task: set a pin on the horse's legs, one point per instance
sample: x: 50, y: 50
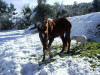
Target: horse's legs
x: 43, y: 54
x: 63, y: 41
x: 50, y: 42
x: 68, y: 40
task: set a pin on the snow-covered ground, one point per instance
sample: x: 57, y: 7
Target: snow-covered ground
x: 21, y: 53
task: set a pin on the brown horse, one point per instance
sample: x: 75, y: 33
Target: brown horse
x: 52, y: 28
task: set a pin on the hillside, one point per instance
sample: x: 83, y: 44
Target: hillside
x: 86, y: 25
x: 21, y: 52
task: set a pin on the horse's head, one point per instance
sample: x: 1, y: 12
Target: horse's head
x: 43, y: 33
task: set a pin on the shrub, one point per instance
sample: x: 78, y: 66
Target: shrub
x: 5, y: 23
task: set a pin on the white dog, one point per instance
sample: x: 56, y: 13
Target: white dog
x: 80, y: 39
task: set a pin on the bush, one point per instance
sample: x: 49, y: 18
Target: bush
x: 20, y: 23
x: 5, y: 23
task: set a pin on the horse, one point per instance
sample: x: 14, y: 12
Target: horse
x: 52, y: 28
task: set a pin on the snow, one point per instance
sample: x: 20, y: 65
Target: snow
x: 29, y: 29
x: 21, y: 56
x: 21, y: 53
x: 32, y: 16
x: 85, y: 25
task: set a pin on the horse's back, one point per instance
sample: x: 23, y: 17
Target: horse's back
x: 61, y: 25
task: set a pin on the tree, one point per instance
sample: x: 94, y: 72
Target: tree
x: 62, y: 11
x: 85, y: 8
x: 6, y: 12
x: 26, y: 10
x: 24, y: 21
x: 41, y: 2
x: 56, y: 6
x: 27, y: 13
x: 75, y: 9
x: 3, y: 7
x: 43, y: 11
x: 96, y: 5
x: 11, y: 9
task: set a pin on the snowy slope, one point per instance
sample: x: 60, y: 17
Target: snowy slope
x: 20, y: 53
x: 85, y: 24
